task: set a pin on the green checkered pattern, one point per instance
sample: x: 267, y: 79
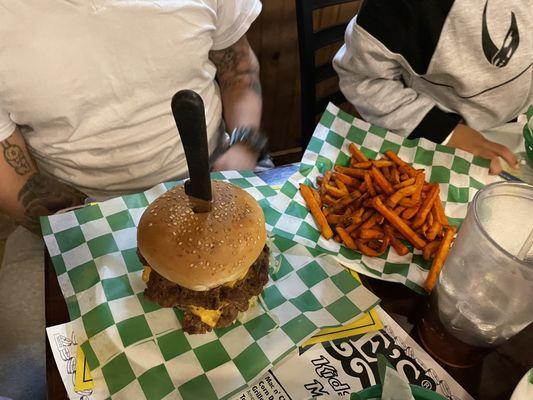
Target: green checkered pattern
x: 137, y: 350
x: 459, y: 173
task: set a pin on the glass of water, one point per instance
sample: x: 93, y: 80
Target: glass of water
x: 485, y: 291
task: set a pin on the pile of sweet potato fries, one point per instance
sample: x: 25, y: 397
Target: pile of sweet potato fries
x: 374, y: 204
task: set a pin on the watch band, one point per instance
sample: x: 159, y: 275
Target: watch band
x: 251, y: 138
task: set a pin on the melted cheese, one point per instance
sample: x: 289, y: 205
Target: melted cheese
x: 209, y: 317
x: 146, y: 274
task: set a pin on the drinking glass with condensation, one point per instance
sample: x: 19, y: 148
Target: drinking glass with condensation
x: 484, y: 294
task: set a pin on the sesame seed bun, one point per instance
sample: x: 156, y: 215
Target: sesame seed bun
x: 200, y: 251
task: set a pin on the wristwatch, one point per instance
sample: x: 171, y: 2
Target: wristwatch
x: 252, y: 138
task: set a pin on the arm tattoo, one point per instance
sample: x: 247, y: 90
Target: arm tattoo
x: 15, y: 157
x: 42, y: 195
x: 237, y: 67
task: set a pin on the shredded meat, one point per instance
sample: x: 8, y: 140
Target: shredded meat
x: 230, y: 300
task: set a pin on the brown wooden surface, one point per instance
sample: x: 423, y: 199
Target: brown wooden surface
x: 55, y: 313
x: 493, y: 379
x: 274, y: 38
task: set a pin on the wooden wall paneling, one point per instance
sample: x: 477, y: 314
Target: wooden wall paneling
x: 274, y: 39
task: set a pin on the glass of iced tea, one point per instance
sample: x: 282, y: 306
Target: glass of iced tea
x: 484, y: 294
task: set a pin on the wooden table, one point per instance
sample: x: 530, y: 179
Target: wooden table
x: 494, y: 378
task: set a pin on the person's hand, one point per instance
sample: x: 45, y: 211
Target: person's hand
x: 237, y: 157
x: 468, y: 139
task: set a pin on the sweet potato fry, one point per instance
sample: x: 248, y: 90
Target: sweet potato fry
x: 426, y: 207
x: 410, y: 212
x: 347, y: 180
x: 353, y: 172
x: 371, y: 234
x: 340, y: 184
x: 334, y: 219
x: 374, y: 244
x: 374, y: 204
x: 384, y: 244
x: 346, y: 238
x: 344, y: 201
x: 368, y: 202
x: 399, y: 224
x: 401, y: 163
x: 362, y: 165
x: 356, y: 153
x: 369, y: 185
x: 325, y: 181
x: 357, y: 204
x: 382, y: 163
x: 398, y: 210
x: 358, y: 213
x: 316, y: 211
x: 407, y: 182
x: 316, y: 195
x: 419, y: 184
x: 381, y: 181
x: 330, y: 201
x: 395, y: 175
x: 430, y: 249
x: 441, y: 217
x: 370, y: 222
x: 440, y: 257
x: 395, y: 198
x: 364, y: 217
x: 347, y: 218
x: 436, y: 226
x: 408, y: 202
x: 386, y: 173
x: 354, y: 219
x: 396, y: 244
x: 334, y: 191
x: 367, y: 251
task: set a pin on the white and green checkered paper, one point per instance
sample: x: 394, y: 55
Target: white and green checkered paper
x: 138, y: 350
x: 459, y: 174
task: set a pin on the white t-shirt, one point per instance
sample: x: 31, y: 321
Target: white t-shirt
x: 90, y: 83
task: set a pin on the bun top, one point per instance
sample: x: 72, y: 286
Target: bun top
x: 200, y: 251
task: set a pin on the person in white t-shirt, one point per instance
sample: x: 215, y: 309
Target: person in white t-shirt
x: 85, y: 90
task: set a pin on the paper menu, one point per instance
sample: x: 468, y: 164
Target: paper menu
x: 66, y: 354
x: 334, y: 372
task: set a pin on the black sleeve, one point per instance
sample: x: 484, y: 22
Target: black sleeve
x: 436, y: 125
x: 410, y: 28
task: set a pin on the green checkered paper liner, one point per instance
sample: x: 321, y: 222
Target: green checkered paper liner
x: 459, y: 173
x: 137, y: 350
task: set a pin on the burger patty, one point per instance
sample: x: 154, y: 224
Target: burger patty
x: 229, y: 300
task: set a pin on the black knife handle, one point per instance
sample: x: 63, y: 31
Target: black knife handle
x: 189, y: 114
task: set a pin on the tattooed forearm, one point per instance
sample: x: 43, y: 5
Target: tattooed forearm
x: 237, y: 66
x: 42, y: 195
x: 16, y: 158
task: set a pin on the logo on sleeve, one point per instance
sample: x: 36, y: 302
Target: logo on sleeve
x: 501, y: 56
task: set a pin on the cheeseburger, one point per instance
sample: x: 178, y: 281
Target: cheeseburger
x: 210, y: 264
